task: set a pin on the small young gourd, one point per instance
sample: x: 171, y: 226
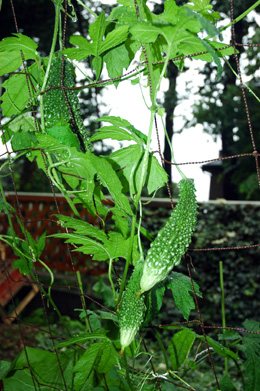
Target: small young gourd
x: 173, y: 239
x: 56, y: 110
x: 132, y: 308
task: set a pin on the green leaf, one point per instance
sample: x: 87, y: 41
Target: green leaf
x: 252, y: 367
x: 46, y: 370
x: 170, y: 12
x: 4, y: 368
x: 87, y: 246
x: 83, y: 44
x: 23, y: 122
x: 98, y: 46
x: 83, y: 338
x: 110, y: 180
x: 214, y: 55
x: 190, y: 44
x: 25, y: 261
x: 127, y: 158
x: 97, y: 65
x: 180, y: 347
x: 122, y: 221
x: 108, y: 315
x: 101, y: 246
x: 116, y: 60
x: 224, y: 52
x: 114, y: 38
x: 120, y: 122
x: 209, y: 27
x: 225, y: 385
x: 251, y: 348
x: 144, y: 32
x: 20, y: 42
x: 219, y: 348
x: 5, y: 206
x: 154, y: 303
x: 113, y: 132
x: 157, y: 176
x: 23, y: 140
x: 113, y: 247
x: 9, y: 62
x: 101, y: 356
x: 108, y: 359
x: 41, y: 244
x: 17, y: 96
x: 181, y: 288
x: 20, y: 380
x: 118, y: 246
x: 64, y: 135
x: 82, y: 227
x: 123, y: 161
x: 96, y: 32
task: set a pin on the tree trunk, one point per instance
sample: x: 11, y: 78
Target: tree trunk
x: 170, y: 103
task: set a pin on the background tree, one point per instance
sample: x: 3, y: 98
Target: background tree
x: 221, y: 111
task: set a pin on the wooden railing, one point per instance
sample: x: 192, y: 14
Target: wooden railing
x: 38, y: 213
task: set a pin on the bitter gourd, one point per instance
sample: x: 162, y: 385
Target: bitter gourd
x: 56, y: 110
x: 173, y: 239
x: 132, y: 308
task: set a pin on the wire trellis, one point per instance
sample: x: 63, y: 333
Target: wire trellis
x: 77, y: 288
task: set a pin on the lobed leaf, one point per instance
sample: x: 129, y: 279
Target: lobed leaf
x: 9, y: 62
x: 20, y: 42
x: 180, y: 347
x: 181, y: 288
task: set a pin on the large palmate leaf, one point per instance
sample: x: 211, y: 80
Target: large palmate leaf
x: 85, y: 166
x: 122, y: 124
x: 17, y: 95
x: 20, y: 43
x: 129, y: 162
x: 93, y: 241
x: 180, y: 347
x: 45, y: 367
x: 251, y: 348
x: 9, y: 62
x: 181, y: 288
x: 98, y: 45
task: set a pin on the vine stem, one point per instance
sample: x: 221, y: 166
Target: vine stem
x: 83, y: 301
x: 110, y: 277
x: 149, y: 137
x: 241, y: 16
x: 129, y: 257
x: 51, y: 275
x: 221, y: 278
x: 54, y: 40
x: 59, y: 185
x: 87, y: 8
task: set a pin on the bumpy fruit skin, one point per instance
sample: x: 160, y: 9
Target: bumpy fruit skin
x: 132, y: 308
x: 56, y: 111
x: 173, y: 239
